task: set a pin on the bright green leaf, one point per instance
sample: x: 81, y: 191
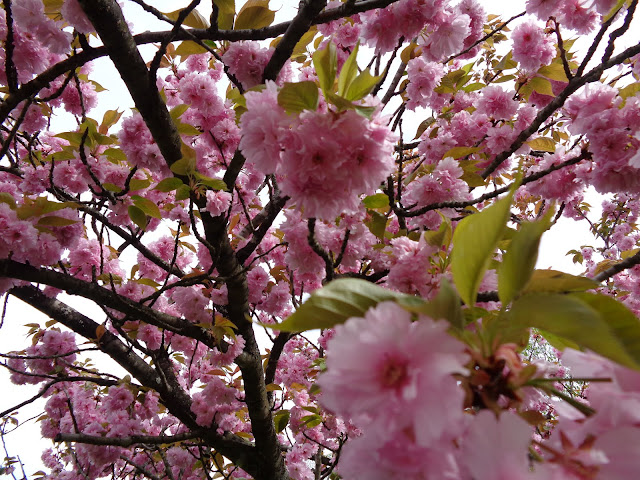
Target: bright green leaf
x: 592, y: 321
x: 296, y: 97
x: 281, y: 420
x: 186, y: 129
x: 348, y: 73
x: 541, y: 85
x: 214, y: 183
x: 115, y: 154
x: 325, y: 62
x: 445, y: 305
x: 542, y: 144
x: 226, y: 12
x: 520, y: 259
x: 139, y: 184
x: 459, y: 152
x: 554, y: 71
x: 553, y: 281
x: 137, y: 216
x: 147, y: 206
x: 379, y: 200
x: 194, y: 19
x: 334, y: 304
x: 442, y: 236
x: 362, y: 86
x: 7, y: 198
x: 474, y: 243
x: 54, y: 221
x: 254, y: 14
x: 168, y: 184
x: 187, y: 48
x: 183, y: 192
x: 177, y: 111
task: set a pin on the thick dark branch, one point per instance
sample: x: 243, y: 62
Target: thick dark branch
x: 268, y: 451
x: 10, y: 67
x: 124, y: 441
x: 573, y: 85
x: 89, y: 329
x: 104, y: 296
x: 111, y: 26
x: 618, y: 267
x: 308, y: 11
x: 619, y: 31
x: 176, y: 400
x: 264, y: 219
x: 317, y: 248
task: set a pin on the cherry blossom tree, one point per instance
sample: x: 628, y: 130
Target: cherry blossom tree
x: 314, y: 242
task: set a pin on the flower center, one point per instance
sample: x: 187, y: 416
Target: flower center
x: 393, y: 372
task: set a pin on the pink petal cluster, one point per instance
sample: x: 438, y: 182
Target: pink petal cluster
x: 532, y: 47
x: 423, y: 77
x: 390, y: 374
x: 311, y: 152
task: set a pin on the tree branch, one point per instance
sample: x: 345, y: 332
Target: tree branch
x: 308, y: 11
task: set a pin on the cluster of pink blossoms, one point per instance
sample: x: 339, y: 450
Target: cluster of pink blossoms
x: 612, y: 128
x: 580, y: 15
x: 393, y: 378
x: 324, y: 159
x: 442, y: 29
x: 532, y: 46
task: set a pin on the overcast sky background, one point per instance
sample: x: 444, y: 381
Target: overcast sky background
x: 26, y: 441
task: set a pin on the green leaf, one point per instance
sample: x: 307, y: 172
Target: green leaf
x: 442, y: 236
x: 186, y: 129
x: 214, y: 183
x: 187, y: 48
x: 554, y: 71
x: 281, y: 420
x: 446, y: 305
x: 54, y: 221
x: 542, y: 144
x: 592, y: 321
x: 177, y: 111
x: 7, y: 198
x: 552, y: 281
x: 362, y: 85
x: 541, y: 85
x: 325, y: 62
x: 226, y: 12
x: 115, y: 154
x: 254, y: 14
x: 474, y: 242
x: 379, y: 200
x: 459, y: 152
x: 109, y: 119
x: 137, y: 216
x: 194, y: 19
x: 349, y: 72
x: 296, y: 97
x: 139, y: 184
x: 111, y: 187
x: 184, y: 166
x: 183, y: 192
x: 378, y: 224
x: 630, y: 90
x: 168, y: 184
x: 334, y: 304
x: 520, y: 259
x: 147, y: 206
